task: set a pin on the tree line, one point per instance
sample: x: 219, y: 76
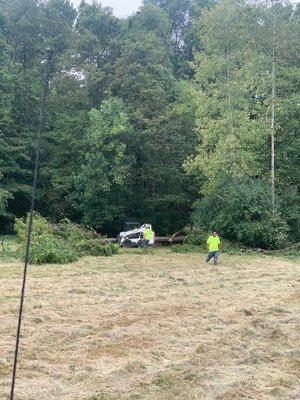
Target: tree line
x: 186, y: 112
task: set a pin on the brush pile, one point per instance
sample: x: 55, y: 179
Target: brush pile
x: 60, y: 243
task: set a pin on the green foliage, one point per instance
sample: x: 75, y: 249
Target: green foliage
x: 72, y: 232
x: 150, y: 114
x: 46, y: 246
x: 94, y: 247
x: 49, y: 249
x: 4, y: 196
x: 240, y: 211
x: 182, y: 14
x: 234, y: 123
x: 59, y: 243
x: 196, y: 236
x: 41, y: 226
x: 26, y: 27
x: 100, y: 183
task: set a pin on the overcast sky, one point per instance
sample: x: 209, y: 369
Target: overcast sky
x: 122, y: 8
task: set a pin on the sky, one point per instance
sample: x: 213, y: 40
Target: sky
x: 122, y: 8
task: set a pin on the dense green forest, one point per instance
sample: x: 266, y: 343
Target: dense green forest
x: 187, y: 111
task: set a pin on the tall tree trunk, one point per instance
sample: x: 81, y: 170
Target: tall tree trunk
x: 273, y: 125
x: 229, y: 100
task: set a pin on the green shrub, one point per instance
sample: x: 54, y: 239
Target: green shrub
x: 241, y: 212
x: 72, y: 232
x: 108, y: 250
x: 94, y: 247
x: 59, y: 243
x: 48, y: 249
x: 40, y: 226
x: 196, y: 236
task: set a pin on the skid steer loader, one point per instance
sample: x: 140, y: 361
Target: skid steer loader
x: 133, y: 235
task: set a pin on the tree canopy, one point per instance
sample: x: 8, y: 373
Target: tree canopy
x: 186, y: 111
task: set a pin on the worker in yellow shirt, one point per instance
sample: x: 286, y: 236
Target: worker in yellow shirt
x: 147, y: 235
x: 213, y: 244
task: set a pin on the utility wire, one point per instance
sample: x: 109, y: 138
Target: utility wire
x: 31, y: 212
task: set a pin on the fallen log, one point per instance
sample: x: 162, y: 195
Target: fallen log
x: 160, y: 240
x: 170, y: 240
x: 177, y: 240
x: 109, y: 240
x: 176, y: 234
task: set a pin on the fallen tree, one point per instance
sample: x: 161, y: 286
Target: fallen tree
x: 170, y: 240
x: 160, y: 240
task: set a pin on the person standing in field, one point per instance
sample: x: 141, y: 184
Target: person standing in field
x: 213, y: 244
x: 147, y: 235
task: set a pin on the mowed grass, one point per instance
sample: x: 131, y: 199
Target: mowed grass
x: 157, y: 326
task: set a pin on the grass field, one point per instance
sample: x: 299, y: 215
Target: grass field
x: 157, y: 326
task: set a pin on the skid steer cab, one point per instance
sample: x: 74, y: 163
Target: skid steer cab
x: 134, y: 236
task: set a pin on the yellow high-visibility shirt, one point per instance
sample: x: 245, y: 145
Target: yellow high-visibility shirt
x: 213, y: 243
x: 147, y: 234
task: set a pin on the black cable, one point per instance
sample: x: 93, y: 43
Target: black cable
x: 31, y: 212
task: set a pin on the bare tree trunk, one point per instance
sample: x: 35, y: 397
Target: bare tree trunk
x: 273, y: 127
x: 229, y: 100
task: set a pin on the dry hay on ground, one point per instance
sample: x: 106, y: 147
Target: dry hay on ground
x: 162, y: 326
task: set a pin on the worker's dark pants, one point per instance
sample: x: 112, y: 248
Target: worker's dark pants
x: 214, y: 255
